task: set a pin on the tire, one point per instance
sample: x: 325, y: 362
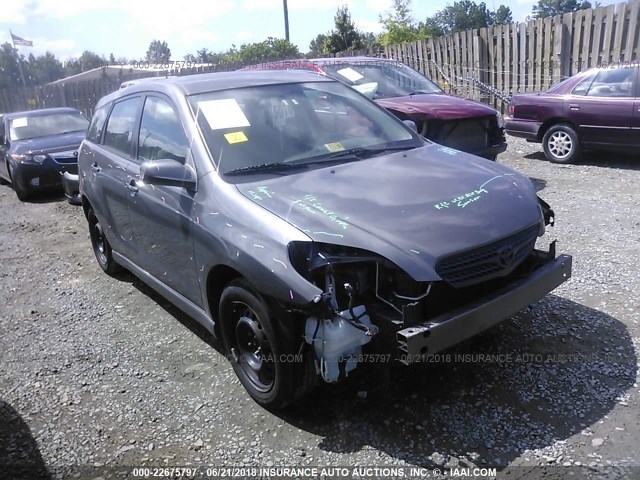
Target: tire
x: 561, y: 144
x: 2, y: 180
x: 21, y: 194
x: 100, y: 245
x: 255, y: 343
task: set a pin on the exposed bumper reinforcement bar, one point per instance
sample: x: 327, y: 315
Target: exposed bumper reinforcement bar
x: 453, y: 327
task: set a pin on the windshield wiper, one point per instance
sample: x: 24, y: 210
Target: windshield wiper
x: 420, y: 92
x: 363, y: 152
x: 265, y: 167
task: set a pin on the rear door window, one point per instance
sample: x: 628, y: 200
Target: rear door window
x: 120, y: 126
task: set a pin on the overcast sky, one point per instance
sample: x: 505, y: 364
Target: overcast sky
x: 126, y: 27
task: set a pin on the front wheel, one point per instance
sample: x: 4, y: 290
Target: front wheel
x: 261, y: 349
x: 101, y: 247
x: 561, y: 144
x: 21, y: 194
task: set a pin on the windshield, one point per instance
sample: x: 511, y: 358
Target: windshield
x: 294, y: 124
x: 22, y: 128
x: 381, y: 78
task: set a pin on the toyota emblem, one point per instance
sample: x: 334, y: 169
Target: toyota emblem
x: 506, y: 256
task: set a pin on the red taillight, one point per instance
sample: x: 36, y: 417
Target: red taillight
x: 512, y: 110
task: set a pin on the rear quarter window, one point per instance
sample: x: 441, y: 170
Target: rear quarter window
x: 583, y: 85
x: 97, y: 124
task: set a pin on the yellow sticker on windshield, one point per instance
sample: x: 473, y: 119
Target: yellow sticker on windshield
x: 334, y: 147
x: 235, y: 137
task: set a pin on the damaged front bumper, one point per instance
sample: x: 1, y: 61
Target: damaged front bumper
x: 455, y: 326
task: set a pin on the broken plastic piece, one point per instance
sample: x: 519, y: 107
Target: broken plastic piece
x: 337, y: 342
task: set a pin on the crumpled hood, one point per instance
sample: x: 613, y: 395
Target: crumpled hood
x: 440, y: 106
x: 410, y: 207
x: 53, y: 143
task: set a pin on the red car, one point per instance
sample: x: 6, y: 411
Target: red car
x: 451, y: 121
x: 598, y: 109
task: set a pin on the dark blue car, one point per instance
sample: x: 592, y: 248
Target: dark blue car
x: 37, y: 147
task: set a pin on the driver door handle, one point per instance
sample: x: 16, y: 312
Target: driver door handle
x: 95, y: 167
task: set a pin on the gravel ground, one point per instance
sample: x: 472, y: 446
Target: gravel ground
x: 100, y: 371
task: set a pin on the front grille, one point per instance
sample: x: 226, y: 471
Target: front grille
x: 469, y: 135
x: 490, y: 261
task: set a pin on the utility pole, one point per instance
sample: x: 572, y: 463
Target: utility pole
x: 286, y: 19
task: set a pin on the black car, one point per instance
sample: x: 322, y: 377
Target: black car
x: 38, y: 146
x: 306, y: 225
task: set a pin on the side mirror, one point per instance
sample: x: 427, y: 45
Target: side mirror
x: 411, y: 124
x: 168, y: 172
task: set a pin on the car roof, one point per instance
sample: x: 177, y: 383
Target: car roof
x: 211, y: 82
x: 42, y: 111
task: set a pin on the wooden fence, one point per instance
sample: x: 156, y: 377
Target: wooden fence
x: 524, y: 57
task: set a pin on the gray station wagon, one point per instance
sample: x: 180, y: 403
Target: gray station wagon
x: 306, y: 225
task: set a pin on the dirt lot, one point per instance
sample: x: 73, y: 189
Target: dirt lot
x: 99, y: 371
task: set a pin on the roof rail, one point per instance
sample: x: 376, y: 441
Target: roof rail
x: 128, y: 83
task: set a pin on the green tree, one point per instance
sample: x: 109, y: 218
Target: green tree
x: 42, y: 69
x: 399, y: 26
x: 203, y: 55
x: 9, y: 71
x: 431, y: 27
x: 268, y: 50
x: 464, y: 15
x: 87, y: 61
x: 503, y: 16
x: 369, y: 40
x: 318, y: 46
x: 343, y: 37
x: 158, y: 52
x: 549, y: 8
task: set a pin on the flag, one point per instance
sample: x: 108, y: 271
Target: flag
x: 21, y: 42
